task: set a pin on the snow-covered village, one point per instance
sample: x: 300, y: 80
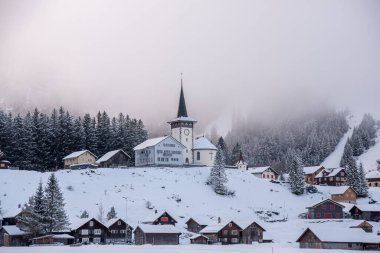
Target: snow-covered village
x: 189, y: 126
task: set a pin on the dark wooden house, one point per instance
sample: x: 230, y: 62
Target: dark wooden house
x: 4, y: 164
x: 199, y: 239
x: 331, y: 177
x: 114, y: 159
x: 227, y: 233
x: 89, y: 231
x: 197, y: 224
x: 251, y: 232
x: 163, y: 219
x: 326, y: 209
x: 366, y: 212
x: 327, y: 236
x: 116, y: 231
x: 11, y: 235
x: 156, y: 235
x: 62, y: 239
x: 311, y: 172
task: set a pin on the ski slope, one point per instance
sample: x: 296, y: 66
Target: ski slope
x: 180, y: 191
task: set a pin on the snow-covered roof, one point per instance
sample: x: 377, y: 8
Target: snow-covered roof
x: 368, y: 207
x: 203, y: 143
x: 201, y: 220
x: 155, y: 229
x: 183, y: 119
x: 198, y: 235
x: 245, y: 222
x: 109, y: 155
x: 77, y: 153
x: 112, y: 221
x: 259, y: 170
x: 330, y: 233
x: 153, y: 142
x: 80, y: 222
x: 5, y: 161
x: 311, y: 170
x: 339, y: 189
x: 214, y: 228
x: 325, y: 200
x: 156, y: 216
x: 59, y: 236
x: 373, y: 174
x: 13, y: 230
x: 332, y: 172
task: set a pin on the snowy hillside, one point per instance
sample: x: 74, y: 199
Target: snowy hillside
x: 369, y: 157
x: 180, y: 191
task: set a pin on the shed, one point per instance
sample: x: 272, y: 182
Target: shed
x: 199, y: 239
x: 11, y: 235
x: 63, y: 239
x: 156, y: 235
x: 114, y: 159
x: 369, y: 212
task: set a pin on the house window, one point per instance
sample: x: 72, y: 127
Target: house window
x: 324, y: 207
x: 338, y: 216
x: 225, y: 232
x: 84, y: 232
x: 97, y: 231
x: 113, y: 231
x: 122, y: 231
x: 332, y: 207
x: 234, y: 232
x: 230, y: 224
x: 91, y: 223
x: 234, y: 240
x: 198, y: 155
x: 96, y: 240
x: 331, y: 179
x: 328, y: 216
x: 342, y: 174
x: 85, y: 240
x: 164, y: 219
x: 318, y: 215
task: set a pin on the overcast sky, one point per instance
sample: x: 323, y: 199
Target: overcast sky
x: 265, y: 57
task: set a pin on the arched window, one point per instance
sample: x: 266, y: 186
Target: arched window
x: 187, y: 160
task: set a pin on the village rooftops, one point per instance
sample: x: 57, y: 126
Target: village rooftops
x: 201, y: 220
x: 214, y: 228
x: 13, y: 230
x: 203, y: 143
x: 311, y: 170
x: 109, y: 155
x: 344, y: 235
x: 77, y: 154
x: 198, y: 235
x: 374, y: 174
x: 331, y: 172
x: 155, y: 229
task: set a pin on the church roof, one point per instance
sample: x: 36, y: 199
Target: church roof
x: 182, y: 111
x: 203, y: 143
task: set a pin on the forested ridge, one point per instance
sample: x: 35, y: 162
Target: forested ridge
x: 38, y: 141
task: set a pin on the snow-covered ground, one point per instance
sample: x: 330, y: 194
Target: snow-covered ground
x: 263, y: 248
x: 369, y: 157
x: 163, y: 187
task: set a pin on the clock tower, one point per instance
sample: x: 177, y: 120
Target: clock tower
x: 182, y: 129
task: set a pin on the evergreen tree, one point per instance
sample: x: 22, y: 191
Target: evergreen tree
x: 218, y: 177
x: 347, y: 153
x: 363, y: 182
x: 224, y: 148
x: 353, y: 177
x: 296, y: 175
x: 84, y: 214
x: 55, y: 216
x: 111, y: 214
x: 236, y: 151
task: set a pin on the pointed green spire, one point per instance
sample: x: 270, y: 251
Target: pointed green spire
x: 182, y: 112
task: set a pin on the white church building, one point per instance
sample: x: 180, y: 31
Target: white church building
x: 193, y: 150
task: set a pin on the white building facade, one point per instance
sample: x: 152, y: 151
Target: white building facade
x: 204, y: 152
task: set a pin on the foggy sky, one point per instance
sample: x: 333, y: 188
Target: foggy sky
x: 237, y: 57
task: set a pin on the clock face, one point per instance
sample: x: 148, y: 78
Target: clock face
x: 186, y: 131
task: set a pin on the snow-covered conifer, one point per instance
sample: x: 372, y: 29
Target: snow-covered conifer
x: 111, y: 214
x: 218, y: 177
x: 363, y: 182
x: 296, y: 175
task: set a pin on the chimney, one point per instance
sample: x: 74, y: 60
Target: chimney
x: 219, y: 220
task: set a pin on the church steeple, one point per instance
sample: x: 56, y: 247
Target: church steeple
x: 182, y: 112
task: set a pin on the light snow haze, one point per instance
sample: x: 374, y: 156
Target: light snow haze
x: 237, y: 57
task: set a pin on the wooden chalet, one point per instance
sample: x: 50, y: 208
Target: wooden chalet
x: 264, y: 172
x: 197, y: 224
x: 79, y: 159
x: 58, y: 239
x: 325, y: 209
x: 199, y: 239
x: 366, y: 212
x: 163, y: 219
x: 116, y: 231
x: 11, y: 235
x: 331, y: 236
x: 114, y: 159
x: 227, y: 233
x: 89, y: 230
x: 311, y: 173
x: 12, y: 218
x: 156, y: 235
x: 373, y: 178
x: 251, y: 232
x: 332, y: 177
x: 344, y: 194
x: 4, y: 164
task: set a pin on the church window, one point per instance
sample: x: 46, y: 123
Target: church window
x: 198, y: 155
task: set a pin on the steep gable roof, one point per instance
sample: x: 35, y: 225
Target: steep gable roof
x: 80, y: 222
x: 154, y: 141
x: 324, y: 201
x: 13, y: 230
x: 367, y: 208
x: 158, y: 229
x: 311, y: 169
x: 77, y: 154
x: 259, y: 170
x: 110, y: 154
x: 203, y: 143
